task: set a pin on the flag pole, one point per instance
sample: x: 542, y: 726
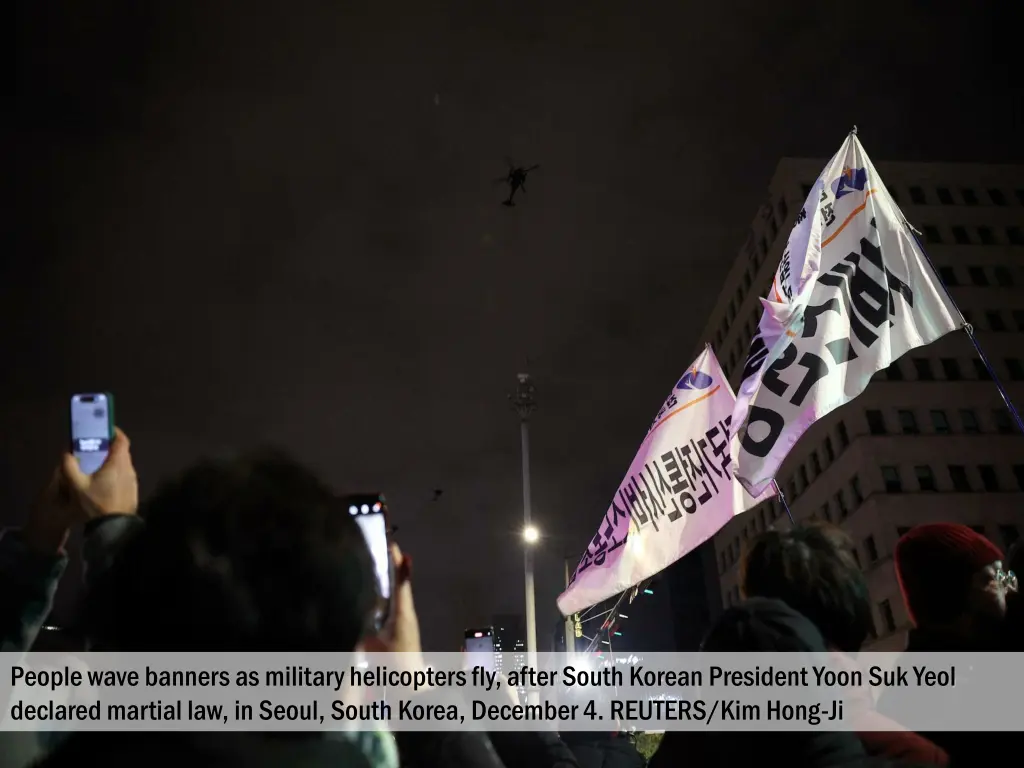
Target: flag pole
x: 785, y: 504
x: 969, y: 330
x: 597, y: 635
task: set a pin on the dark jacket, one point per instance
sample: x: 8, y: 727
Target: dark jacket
x: 596, y: 749
x: 532, y: 749
x: 30, y: 579
x: 251, y: 750
x: 765, y: 625
x: 203, y: 750
x: 963, y: 747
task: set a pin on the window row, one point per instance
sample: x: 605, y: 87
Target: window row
x: 947, y: 196
x: 977, y: 276
x: 982, y: 235
x: 986, y: 477
x: 940, y: 422
x: 949, y: 369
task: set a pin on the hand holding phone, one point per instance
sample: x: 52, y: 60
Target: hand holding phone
x: 99, y: 471
x: 75, y: 496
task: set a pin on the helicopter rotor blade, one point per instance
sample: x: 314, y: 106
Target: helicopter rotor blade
x: 532, y: 168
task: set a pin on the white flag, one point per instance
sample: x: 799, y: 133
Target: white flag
x: 679, y: 491
x: 852, y: 293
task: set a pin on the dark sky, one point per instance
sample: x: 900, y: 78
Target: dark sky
x: 276, y: 222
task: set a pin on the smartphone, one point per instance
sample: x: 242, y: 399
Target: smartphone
x: 92, y: 429
x: 479, y: 644
x: 371, y: 513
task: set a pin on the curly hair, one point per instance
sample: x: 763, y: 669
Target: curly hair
x: 813, y: 570
x: 255, y: 554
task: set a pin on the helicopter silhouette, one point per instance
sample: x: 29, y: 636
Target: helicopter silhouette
x: 516, y: 180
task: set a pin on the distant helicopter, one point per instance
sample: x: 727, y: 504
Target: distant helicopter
x: 516, y: 180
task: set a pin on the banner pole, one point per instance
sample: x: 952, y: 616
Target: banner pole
x: 785, y: 504
x: 597, y: 635
x: 969, y: 330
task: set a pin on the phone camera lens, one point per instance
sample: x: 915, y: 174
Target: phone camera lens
x: 99, y: 413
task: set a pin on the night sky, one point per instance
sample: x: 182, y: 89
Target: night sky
x: 260, y: 222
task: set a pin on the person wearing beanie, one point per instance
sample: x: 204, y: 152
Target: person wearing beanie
x: 953, y: 587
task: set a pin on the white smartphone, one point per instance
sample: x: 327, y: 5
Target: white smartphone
x: 92, y: 429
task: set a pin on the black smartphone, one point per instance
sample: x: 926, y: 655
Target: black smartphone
x: 370, y: 511
x: 92, y: 429
x: 479, y: 645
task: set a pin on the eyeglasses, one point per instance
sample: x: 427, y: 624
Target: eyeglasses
x: 1007, y: 580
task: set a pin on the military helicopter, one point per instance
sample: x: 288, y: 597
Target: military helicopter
x: 516, y: 180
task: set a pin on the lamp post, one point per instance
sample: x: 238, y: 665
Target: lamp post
x: 525, y: 403
x: 570, y: 624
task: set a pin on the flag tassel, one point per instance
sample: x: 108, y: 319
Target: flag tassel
x: 785, y: 504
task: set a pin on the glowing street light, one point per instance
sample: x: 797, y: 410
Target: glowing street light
x: 531, y: 535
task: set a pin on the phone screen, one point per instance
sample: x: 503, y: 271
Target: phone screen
x: 371, y: 516
x: 92, y: 429
x: 480, y: 647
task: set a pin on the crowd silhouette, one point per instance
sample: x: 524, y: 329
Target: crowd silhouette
x: 256, y: 554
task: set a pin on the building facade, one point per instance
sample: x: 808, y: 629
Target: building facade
x: 930, y: 439
x: 509, y: 643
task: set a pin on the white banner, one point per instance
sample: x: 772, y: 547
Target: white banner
x: 679, y: 491
x: 852, y: 293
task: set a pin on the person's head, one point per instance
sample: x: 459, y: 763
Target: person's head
x: 812, y: 569
x: 950, y: 577
x: 767, y: 625
x: 254, y: 554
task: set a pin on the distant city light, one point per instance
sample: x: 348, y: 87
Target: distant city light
x: 618, y: 634
x: 623, y: 616
x: 648, y: 592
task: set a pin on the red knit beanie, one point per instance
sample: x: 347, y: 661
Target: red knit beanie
x: 935, y: 564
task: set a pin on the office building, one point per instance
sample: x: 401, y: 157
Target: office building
x: 930, y: 439
x: 509, y: 643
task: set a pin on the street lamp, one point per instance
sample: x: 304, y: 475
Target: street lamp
x: 524, y: 403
